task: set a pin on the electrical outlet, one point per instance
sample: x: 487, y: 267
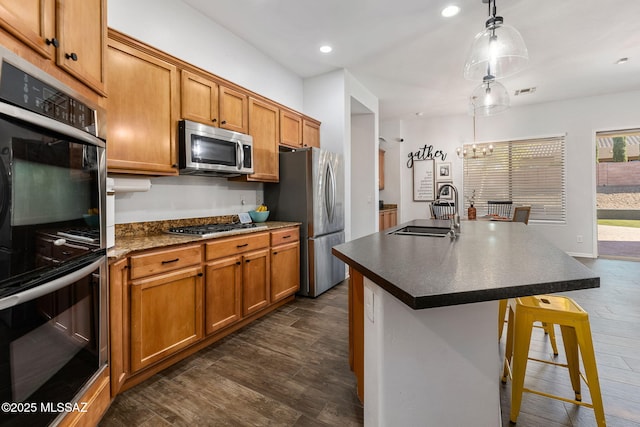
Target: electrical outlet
x: 242, y: 202
x: 579, y: 238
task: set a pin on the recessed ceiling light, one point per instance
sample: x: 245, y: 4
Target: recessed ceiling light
x: 326, y: 48
x: 419, y: 114
x: 622, y: 60
x: 449, y: 11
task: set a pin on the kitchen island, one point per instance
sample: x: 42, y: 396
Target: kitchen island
x: 423, y: 316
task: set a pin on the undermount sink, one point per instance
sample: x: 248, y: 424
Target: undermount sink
x: 416, y: 230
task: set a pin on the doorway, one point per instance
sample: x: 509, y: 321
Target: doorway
x: 618, y: 193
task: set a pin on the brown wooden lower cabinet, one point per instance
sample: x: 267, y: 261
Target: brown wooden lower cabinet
x: 165, y: 304
x: 285, y: 270
x: 255, y: 281
x: 223, y: 293
x: 166, y: 315
x: 97, y: 399
x: 388, y: 218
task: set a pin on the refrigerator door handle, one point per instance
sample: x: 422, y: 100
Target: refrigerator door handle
x: 330, y: 192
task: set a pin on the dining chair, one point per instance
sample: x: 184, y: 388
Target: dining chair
x: 442, y: 209
x: 521, y: 214
x: 500, y: 207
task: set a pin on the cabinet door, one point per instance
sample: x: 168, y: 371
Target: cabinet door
x: 381, y: 216
x: 310, y: 134
x: 118, y: 325
x: 285, y: 271
x: 264, y: 127
x: 81, y: 27
x: 393, y: 218
x: 223, y: 293
x: 199, y: 99
x: 387, y: 219
x: 255, y: 281
x: 166, y: 315
x: 143, y: 117
x: 290, y: 129
x: 30, y: 21
x: 234, y: 108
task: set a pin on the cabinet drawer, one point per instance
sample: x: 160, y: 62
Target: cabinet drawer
x: 286, y: 235
x: 236, y: 245
x: 164, y: 260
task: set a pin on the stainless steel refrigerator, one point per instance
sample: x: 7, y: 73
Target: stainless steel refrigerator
x: 311, y: 191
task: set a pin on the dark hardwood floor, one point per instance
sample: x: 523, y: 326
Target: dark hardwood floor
x: 291, y: 369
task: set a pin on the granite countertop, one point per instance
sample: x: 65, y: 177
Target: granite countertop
x: 126, y: 244
x: 487, y: 261
x: 387, y: 207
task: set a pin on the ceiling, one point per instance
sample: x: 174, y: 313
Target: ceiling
x: 412, y: 58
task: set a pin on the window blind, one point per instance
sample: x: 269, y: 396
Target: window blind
x: 527, y: 172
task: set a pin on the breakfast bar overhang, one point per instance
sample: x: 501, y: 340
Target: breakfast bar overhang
x: 428, y: 315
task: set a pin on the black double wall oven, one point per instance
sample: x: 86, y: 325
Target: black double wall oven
x: 53, y: 264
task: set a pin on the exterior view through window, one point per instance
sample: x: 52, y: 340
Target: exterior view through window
x: 618, y: 193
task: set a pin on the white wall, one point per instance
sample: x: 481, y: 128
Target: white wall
x: 175, y: 28
x: 393, y: 161
x: 328, y: 98
x: 580, y: 119
x: 363, y: 160
x: 187, y: 197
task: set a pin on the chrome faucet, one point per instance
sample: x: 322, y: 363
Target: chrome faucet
x: 455, y: 219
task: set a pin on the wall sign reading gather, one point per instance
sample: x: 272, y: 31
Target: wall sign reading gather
x: 425, y: 153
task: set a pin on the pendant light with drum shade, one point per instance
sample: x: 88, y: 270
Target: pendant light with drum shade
x: 498, y: 51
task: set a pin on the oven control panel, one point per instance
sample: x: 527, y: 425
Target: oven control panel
x: 26, y: 91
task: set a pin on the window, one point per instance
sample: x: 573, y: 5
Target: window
x: 527, y: 172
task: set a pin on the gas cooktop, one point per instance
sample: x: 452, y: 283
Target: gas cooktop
x: 213, y: 230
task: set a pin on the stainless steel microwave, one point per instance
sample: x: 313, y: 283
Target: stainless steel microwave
x: 208, y: 150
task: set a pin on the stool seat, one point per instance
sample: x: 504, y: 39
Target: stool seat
x: 576, y: 336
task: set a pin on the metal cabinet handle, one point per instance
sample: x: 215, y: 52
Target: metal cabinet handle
x: 224, y: 122
x: 171, y: 261
x: 53, y: 41
x: 287, y: 236
x: 214, y: 120
x: 72, y: 56
x: 242, y: 246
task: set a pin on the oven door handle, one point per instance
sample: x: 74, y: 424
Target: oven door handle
x: 47, y: 288
x: 50, y: 124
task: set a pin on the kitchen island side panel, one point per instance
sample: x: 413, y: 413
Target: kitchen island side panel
x: 429, y: 367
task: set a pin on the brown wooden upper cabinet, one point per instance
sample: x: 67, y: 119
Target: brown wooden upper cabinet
x: 71, y: 32
x: 290, y: 129
x: 206, y: 101
x: 310, y: 133
x: 199, y: 99
x: 143, y: 111
x: 264, y: 127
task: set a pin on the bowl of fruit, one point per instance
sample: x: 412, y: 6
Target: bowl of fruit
x: 260, y: 214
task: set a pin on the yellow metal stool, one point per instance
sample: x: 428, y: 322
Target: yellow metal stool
x: 576, y: 334
x: 548, y: 328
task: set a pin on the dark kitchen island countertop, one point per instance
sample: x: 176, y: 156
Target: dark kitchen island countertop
x: 489, y: 260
